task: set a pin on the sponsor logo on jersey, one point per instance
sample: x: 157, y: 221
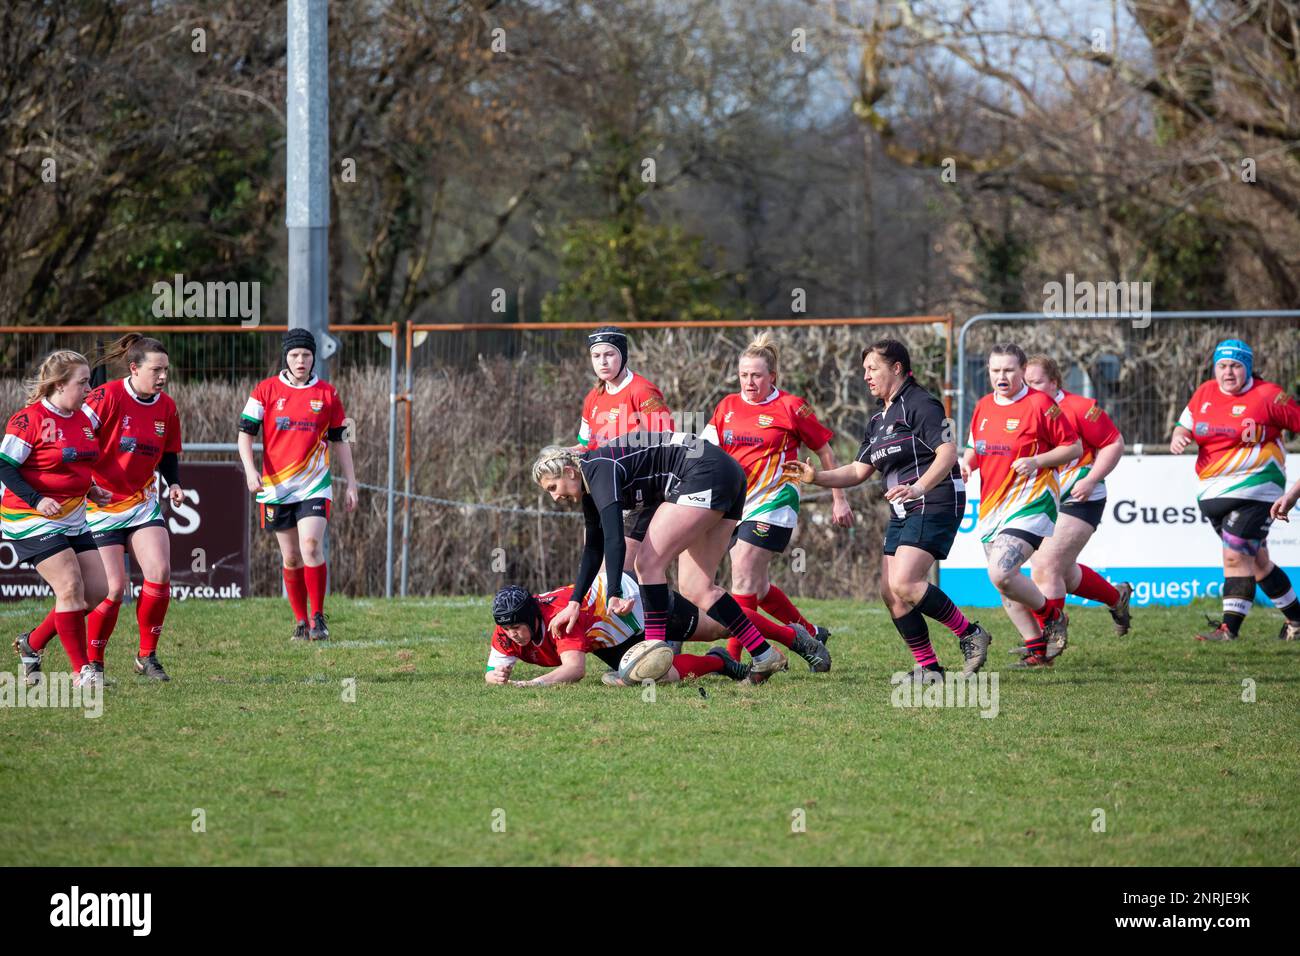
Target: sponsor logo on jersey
x: 980, y: 446
x: 19, y: 422
x: 983, y: 422
x: 279, y: 405
x: 160, y: 428
x: 612, y: 417
x: 316, y: 405
x: 1202, y: 428
x: 1093, y: 413
x: 765, y: 421
x: 1204, y: 406
x: 889, y: 430
x: 126, y: 443
x: 126, y: 421
x: 727, y: 417
x: 98, y: 394
x: 699, y: 498
x: 1014, y: 423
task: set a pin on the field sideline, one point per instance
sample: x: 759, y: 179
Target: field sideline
x: 254, y: 731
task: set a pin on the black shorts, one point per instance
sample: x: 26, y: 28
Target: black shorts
x: 763, y: 535
x: 36, y: 550
x: 119, y: 535
x: 1089, y: 511
x: 683, y: 619
x: 714, y: 480
x: 934, y: 533
x: 635, y: 523
x: 1237, y: 518
x: 284, y: 517
x: 1035, y: 540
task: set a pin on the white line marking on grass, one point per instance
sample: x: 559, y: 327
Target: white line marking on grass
x: 387, y: 642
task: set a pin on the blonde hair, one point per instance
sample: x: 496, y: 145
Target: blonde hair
x: 1049, y: 367
x: 55, y: 370
x: 763, y: 347
x: 552, y: 460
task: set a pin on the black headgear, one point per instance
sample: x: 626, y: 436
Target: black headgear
x: 297, y: 339
x: 515, y: 605
x: 610, y: 335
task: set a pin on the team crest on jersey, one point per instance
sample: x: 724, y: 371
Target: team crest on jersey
x: 19, y: 422
x: 651, y: 404
x: 765, y: 421
x: 804, y: 410
x: 1053, y: 411
x: 1093, y: 413
x: 1014, y: 423
x: 1281, y: 398
x: 160, y: 428
x: 761, y: 528
x: 87, y: 432
x: 612, y: 417
x: 317, y: 404
x: 270, y: 513
x: 1237, y: 410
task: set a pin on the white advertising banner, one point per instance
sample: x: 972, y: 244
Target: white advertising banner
x: 1152, y: 535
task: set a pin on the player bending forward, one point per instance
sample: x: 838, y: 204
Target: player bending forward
x: 523, y: 633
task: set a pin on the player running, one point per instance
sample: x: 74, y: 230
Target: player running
x: 697, y: 492
x: 1236, y: 421
x: 910, y: 442
x: 762, y: 427
x: 302, y: 415
x: 1056, y: 568
x: 621, y: 402
x: 47, y: 455
x: 522, y: 634
x: 1018, y: 438
x: 139, y: 435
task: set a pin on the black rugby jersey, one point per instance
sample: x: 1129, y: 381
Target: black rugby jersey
x: 636, y: 470
x: 900, y: 443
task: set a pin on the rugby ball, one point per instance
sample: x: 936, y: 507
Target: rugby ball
x: 646, y: 660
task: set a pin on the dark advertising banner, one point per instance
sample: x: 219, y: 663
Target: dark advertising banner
x: 209, y: 536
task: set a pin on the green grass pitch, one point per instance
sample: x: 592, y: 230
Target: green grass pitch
x: 430, y: 766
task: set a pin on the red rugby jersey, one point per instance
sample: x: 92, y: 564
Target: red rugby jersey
x: 55, y: 453
x: 134, y: 434
x: 635, y: 405
x: 546, y: 652
x: 1095, y: 430
x: 1239, y: 439
x: 295, y: 449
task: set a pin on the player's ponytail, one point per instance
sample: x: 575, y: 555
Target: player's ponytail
x: 1049, y: 367
x: 763, y: 347
x: 53, y: 372
x: 133, y: 347
x: 552, y: 460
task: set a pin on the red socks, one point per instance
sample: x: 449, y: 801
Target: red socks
x: 1048, y: 610
x: 295, y: 587
x: 696, y: 665
x: 1095, y: 588
x: 149, y: 613
x: 315, y: 579
x: 99, y: 625
x: 71, y: 626
x: 778, y: 605
x: 771, y: 630
x: 43, y: 632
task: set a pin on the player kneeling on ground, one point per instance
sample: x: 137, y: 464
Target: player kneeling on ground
x: 523, y: 633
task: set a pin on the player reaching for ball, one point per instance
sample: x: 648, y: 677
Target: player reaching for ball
x: 302, y: 416
x: 910, y: 442
x: 762, y: 427
x: 139, y: 434
x: 1056, y: 568
x: 522, y: 633
x: 697, y: 492
x: 621, y: 402
x: 1236, y: 421
x: 1018, y: 438
x: 47, y: 456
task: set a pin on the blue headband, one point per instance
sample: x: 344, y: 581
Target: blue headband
x: 1237, y: 351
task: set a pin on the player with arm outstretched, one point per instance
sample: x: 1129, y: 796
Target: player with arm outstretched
x: 909, y: 441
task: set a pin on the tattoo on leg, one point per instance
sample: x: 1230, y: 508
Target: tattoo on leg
x: 1006, y: 555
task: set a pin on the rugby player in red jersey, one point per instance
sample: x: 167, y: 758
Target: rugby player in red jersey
x: 139, y: 434
x: 1018, y: 438
x: 621, y: 402
x: 1236, y: 421
x: 302, y: 417
x: 762, y: 427
x: 47, y: 455
x: 523, y: 633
